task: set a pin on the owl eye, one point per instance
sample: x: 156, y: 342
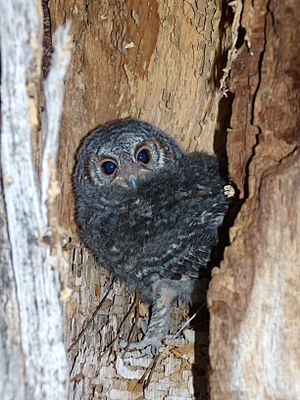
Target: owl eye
x: 108, y: 167
x: 143, y: 156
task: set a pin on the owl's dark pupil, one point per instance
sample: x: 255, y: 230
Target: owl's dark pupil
x: 109, y: 167
x: 144, y: 156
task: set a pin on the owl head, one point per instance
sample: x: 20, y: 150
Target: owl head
x: 122, y: 153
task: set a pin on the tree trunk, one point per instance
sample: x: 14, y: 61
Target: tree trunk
x: 253, y: 297
x: 32, y: 352
x: 161, y: 61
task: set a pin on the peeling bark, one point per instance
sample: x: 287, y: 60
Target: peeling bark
x: 252, y: 298
x: 32, y: 353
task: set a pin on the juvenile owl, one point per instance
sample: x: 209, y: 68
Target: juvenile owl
x: 149, y: 212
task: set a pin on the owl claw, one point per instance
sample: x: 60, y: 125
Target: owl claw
x: 229, y: 191
x: 145, y: 343
x: 146, y: 346
x: 149, y: 344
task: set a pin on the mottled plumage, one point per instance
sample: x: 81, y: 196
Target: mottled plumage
x: 148, y: 211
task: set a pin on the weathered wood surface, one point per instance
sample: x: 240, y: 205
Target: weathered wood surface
x: 157, y: 60
x: 33, y: 360
x: 161, y: 61
x: 254, y: 297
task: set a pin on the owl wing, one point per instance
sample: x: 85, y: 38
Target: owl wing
x: 172, y: 238
x: 185, y: 250
x: 176, y: 222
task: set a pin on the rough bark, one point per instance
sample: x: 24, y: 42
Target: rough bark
x: 255, y: 329
x: 160, y: 61
x: 32, y: 353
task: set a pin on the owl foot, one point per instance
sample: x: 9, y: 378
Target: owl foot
x: 146, y: 342
x: 149, y: 346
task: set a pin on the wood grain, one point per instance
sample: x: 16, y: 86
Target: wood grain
x: 253, y: 351
x: 32, y: 353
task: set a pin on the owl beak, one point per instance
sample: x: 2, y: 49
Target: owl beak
x: 129, y: 175
x: 132, y: 182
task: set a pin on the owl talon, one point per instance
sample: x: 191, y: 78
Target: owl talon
x: 229, y: 191
x: 146, y: 344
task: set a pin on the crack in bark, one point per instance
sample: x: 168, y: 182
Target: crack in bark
x: 254, y: 97
x: 47, y: 39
